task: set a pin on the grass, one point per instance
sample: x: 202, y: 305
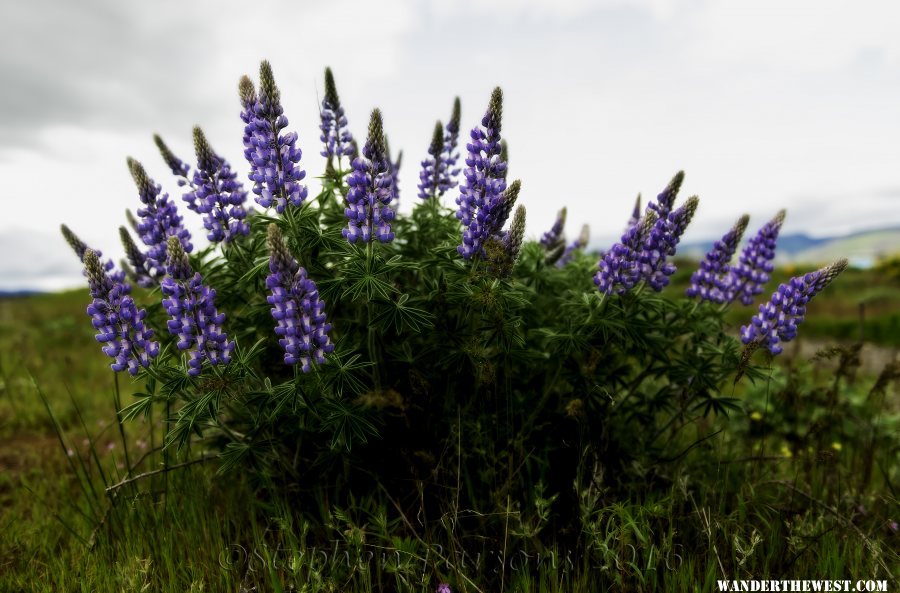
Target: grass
x: 779, y: 494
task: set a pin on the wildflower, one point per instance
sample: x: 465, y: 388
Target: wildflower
x: 273, y: 156
x: 642, y: 251
x: 449, y: 155
x: 618, y: 270
x: 443, y: 588
x: 179, y: 168
x: 217, y: 195
x: 371, y: 191
x: 778, y: 319
x: 158, y: 220
x: 432, y: 166
x: 554, y: 237
x: 636, y: 213
x: 194, y: 318
x: 747, y: 279
x: 140, y: 272
x: 579, y: 243
x: 485, y: 182
x: 118, y: 321
x: 247, y: 95
x: 710, y: 282
x: 894, y: 526
x: 335, y: 135
x: 296, y: 307
x: 662, y: 241
x: 80, y: 248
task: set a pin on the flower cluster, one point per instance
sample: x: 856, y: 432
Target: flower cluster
x: 713, y: 279
x: 579, y: 243
x: 194, y: 320
x: 747, y: 278
x: 158, y: 220
x: 368, y: 211
x: 80, y: 248
x: 218, y: 196
x: 335, y: 135
x: 778, y: 319
x: 448, y: 171
x: 296, y: 307
x: 118, y: 321
x: 480, y: 196
x: 432, y: 167
x: 273, y: 156
x: 438, y: 174
x: 661, y: 243
x: 554, y: 237
x: 642, y: 252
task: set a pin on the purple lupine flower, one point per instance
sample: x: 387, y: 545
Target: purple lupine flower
x: 296, y: 307
x: 711, y: 279
x: 369, y: 212
x: 579, y: 243
x: 273, y: 156
x: 118, y: 321
x: 552, y: 238
x: 80, y: 248
x: 485, y: 182
x: 448, y: 171
x: 140, y: 271
x: 179, y: 168
x: 395, y: 168
x: 218, y: 196
x: 159, y: 220
x: 433, y: 165
x: 194, y: 318
x: 443, y: 588
x: 636, y: 213
x: 642, y: 251
x: 247, y: 94
x: 335, y: 134
x: 665, y: 201
x: 661, y: 243
x: 618, y: 269
x: 778, y: 319
x: 747, y: 278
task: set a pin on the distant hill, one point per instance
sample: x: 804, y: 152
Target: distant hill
x: 862, y: 248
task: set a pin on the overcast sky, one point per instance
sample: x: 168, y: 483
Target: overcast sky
x: 764, y: 104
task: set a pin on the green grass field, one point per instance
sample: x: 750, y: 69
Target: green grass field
x: 753, y: 500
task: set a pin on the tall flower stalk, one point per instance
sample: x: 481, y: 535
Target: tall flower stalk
x: 369, y: 212
x: 449, y: 154
x: 274, y: 156
x: 747, y: 278
x: 218, y: 196
x: 158, y: 220
x: 777, y: 320
x: 298, y: 311
x: 336, y: 136
x: 194, y: 320
x: 432, y: 166
x: 579, y: 243
x: 712, y: 279
x: 480, y: 195
x: 118, y: 321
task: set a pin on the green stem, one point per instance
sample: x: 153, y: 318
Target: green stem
x: 373, y: 353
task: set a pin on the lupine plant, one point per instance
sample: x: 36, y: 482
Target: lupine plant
x: 429, y: 362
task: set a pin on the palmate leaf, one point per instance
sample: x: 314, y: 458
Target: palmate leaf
x: 347, y: 423
x: 342, y: 373
x: 718, y: 405
x: 402, y: 316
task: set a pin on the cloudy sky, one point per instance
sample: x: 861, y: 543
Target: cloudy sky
x: 764, y: 104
